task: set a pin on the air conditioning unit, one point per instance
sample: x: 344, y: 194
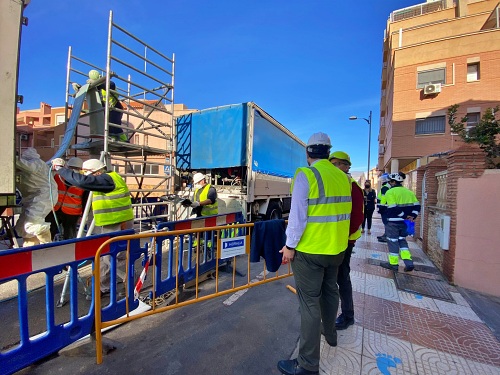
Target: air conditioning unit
x: 432, y: 89
x: 24, y: 137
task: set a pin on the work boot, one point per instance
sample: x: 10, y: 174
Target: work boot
x: 389, y: 266
x: 382, y: 238
x: 409, y: 268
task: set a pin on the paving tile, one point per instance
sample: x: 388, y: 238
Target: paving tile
x: 381, y: 287
x: 481, y: 368
x: 460, y: 311
x: 459, y: 299
x: 385, y: 317
x: 417, y: 300
x: 351, y: 338
x: 357, y: 281
x: 339, y: 360
x: 388, y: 353
x: 431, y: 362
x: 465, y: 338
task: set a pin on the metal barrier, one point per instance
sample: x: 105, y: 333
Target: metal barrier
x: 229, y: 242
x: 51, y: 260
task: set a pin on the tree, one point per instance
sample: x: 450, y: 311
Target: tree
x: 485, y: 133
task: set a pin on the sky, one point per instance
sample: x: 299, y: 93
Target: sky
x: 311, y: 64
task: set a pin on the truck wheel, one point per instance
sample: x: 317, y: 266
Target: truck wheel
x: 274, y: 211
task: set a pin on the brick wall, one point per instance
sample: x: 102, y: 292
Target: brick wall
x: 467, y: 161
x: 429, y: 240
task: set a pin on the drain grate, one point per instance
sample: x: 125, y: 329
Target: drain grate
x: 427, y: 269
x: 427, y: 287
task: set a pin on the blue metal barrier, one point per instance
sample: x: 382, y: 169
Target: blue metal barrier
x: 186, y: 270
x: 51, y: 259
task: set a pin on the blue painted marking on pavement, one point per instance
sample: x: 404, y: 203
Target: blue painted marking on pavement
x: 418, y: 296
x: 386, y: 361
x: 375, y: 255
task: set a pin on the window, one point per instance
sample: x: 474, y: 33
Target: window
x: 60, y: 119
x: 427, y: 77
x: 430, y: 125
x: 148, y: 169
x: 473, y: 119
x: 473, y: 72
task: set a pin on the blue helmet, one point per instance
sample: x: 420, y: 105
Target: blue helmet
x: 384, y: 177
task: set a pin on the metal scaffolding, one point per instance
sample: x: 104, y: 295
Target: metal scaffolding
x: 144, y: 84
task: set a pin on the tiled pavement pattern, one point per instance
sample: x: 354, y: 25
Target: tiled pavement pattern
x: 397, y: 332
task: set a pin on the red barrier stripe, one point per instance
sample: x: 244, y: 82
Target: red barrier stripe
x: 182, y: 225
x: 88, y: 248
x: 15, y: 264
x: 209, y: 222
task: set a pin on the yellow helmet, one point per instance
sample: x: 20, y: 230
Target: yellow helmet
x: 341, y: 155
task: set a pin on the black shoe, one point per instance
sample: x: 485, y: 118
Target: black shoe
x: 389, y: 266
x: 381, y: 239
x: 291, y: 367
x: 409, y: 268
x: 342, y: 322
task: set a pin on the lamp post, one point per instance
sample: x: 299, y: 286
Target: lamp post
x: 369, y: 121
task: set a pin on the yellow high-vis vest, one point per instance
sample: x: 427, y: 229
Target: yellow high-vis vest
x: 329, y: 210
x: 200, y: 196
x: 114, y: 207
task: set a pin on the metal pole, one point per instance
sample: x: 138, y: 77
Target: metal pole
x: 369, y: 144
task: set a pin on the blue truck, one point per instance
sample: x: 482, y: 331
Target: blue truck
x: 246, y: 154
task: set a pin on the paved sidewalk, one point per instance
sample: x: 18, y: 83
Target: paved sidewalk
x: 398, y: 332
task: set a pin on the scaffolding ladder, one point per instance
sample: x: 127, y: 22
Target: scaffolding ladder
x: 144, y: 80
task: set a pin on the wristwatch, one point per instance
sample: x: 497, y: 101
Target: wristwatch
x: 289, y: 248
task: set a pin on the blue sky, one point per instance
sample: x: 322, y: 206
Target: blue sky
x: 310, y: 64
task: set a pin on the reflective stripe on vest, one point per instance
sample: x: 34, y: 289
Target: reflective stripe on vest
x: 69, y: 198
x: 114, y: 207
x: 329, y: 210
x: 112, y: 99
x: 356, y: 234
x: 398, y: 199
x: 201, y: 195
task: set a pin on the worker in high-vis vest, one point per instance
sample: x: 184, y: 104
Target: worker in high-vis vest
x: 70, y: 202
x: 114, y: 104
x: 384, y: 180
x: 111, y: 204
x: 399, y: 203
x: 343, y: 162
x: 317, y: 236
x: 205, y: 197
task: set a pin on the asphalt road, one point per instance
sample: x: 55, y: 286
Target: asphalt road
x: 248, y: 336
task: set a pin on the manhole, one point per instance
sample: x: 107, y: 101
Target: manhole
x: 373, y: 262
x: 427, y: 287
x: 427, y: 269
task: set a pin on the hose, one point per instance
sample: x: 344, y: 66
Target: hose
x: 52, y: 202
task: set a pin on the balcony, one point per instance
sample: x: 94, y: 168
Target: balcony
x: 417, y: 10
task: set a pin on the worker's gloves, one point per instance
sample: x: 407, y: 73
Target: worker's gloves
x: 195, y: 204
x: 57, y: 164
x: 76, y: 86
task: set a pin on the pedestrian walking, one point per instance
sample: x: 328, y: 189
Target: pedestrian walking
x: 399, y: 203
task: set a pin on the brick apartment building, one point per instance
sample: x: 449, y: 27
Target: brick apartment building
x: 435, y: 54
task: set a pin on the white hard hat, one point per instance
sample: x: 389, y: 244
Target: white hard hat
x: 198, y: 177
x: 58, y: 162
x: 94, y: 74
x: 93, y: 165
x: 396, y: 177
x: 319, y: 139
x: 75, y: 162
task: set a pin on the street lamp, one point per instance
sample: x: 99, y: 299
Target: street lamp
x: 369, y: 121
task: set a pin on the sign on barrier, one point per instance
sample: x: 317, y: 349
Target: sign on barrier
x: 232, y: 247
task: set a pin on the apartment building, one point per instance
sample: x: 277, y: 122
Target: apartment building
x: 435, y: 54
